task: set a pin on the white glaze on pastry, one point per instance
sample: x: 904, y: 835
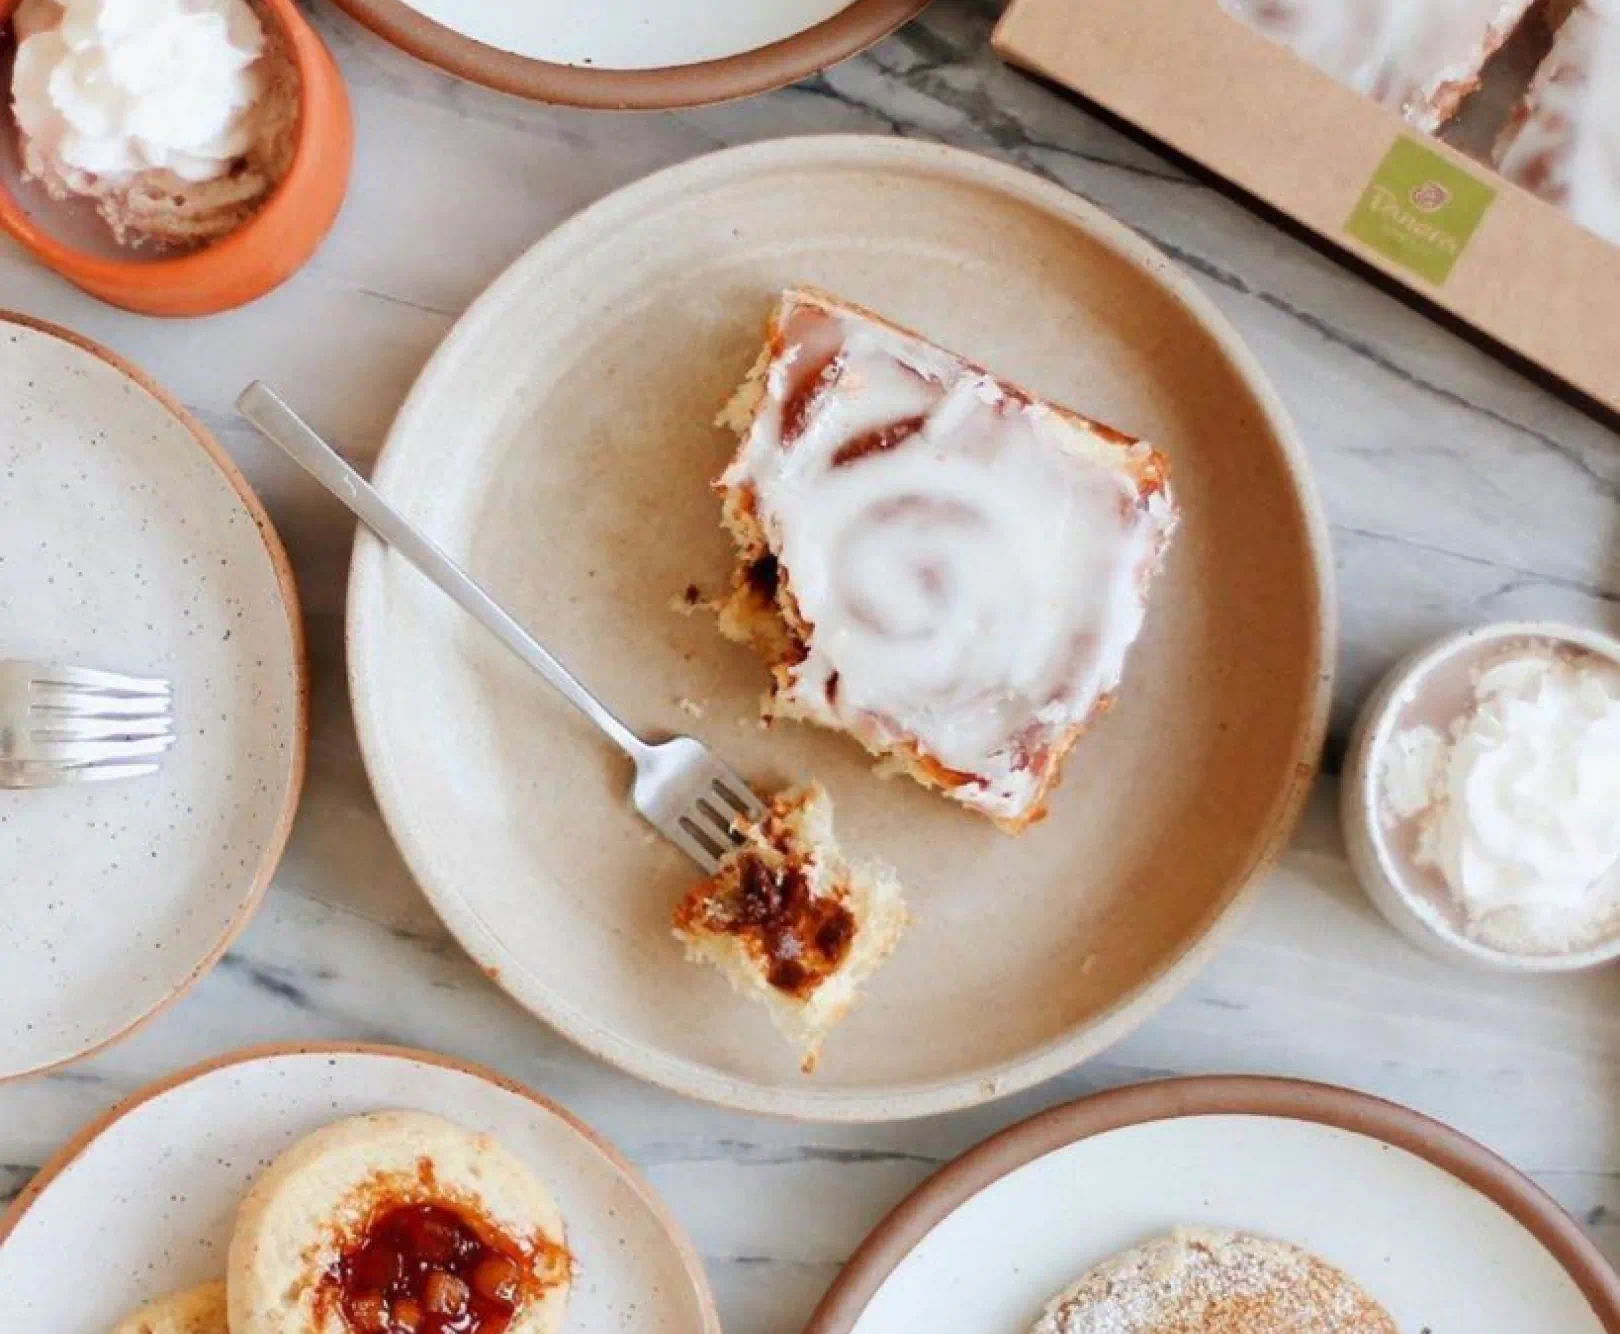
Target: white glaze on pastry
x: 1418, y: 57
x: 973, y: 564
x: 1564, y: 143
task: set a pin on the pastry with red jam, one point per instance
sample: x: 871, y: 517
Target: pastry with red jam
x: 398, y: 1223
x: 788, y: 920
x: 930, y: 559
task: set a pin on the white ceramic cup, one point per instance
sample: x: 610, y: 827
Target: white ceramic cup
x: 1369, y: 853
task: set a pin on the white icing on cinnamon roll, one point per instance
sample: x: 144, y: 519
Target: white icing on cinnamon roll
x: 1564, y: 143
x: 969, y: 566
x: 1418, y: 57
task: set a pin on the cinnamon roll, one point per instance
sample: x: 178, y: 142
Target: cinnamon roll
x: 1563, y: 141
x: 1421, y: 58
x: 930, y: 559
x: 790, y: 920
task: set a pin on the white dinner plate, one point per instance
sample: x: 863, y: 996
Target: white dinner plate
x: 130, y: 542
x: 1446, y: 1236
x: 561, y: 444
x: 141, y: 1203
x: 633, y: 53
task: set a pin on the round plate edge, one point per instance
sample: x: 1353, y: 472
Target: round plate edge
x: 667, y: 88
x: 976, y: 1087
x: 1465, y: 1159
x: 691, y: 1263
x: 281, y: 567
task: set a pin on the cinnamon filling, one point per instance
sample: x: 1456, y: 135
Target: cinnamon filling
x: 875, y: 442
x: 802, y: 937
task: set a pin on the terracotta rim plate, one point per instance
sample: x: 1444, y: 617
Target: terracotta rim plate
x: 548, y: 56
x: 1441, y: 1231
x: 560, y: 443
x: 130, y: 541
x: 140, y: 1202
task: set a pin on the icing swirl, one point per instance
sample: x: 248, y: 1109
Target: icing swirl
x: 971, y: 563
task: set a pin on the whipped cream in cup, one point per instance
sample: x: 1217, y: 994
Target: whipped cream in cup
x: 112, y: 88
x: 1481, y: 797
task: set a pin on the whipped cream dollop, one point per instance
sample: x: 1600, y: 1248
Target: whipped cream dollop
x: 116, y: 87
x: 973, y: 562
x: 1519, y: 805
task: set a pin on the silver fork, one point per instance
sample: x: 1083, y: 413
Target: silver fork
x: 71, y: 725
x: 688, y: 795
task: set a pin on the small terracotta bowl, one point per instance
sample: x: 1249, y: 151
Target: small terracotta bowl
x: 242, y: 265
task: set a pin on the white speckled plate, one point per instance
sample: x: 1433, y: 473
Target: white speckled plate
x: 633, y: 53
x: 1443, y: 1234
x: 141, y: 1202
x: 129, y: 542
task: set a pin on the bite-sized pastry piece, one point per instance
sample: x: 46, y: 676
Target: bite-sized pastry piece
x: 1563, y: 142
x: 176, y: 118
x: 1421, y: 58
x: 1209, y: 1281
x: 787, y: 919
x: 398, y: 1223
x: 929, y: 558
x: 199, y: 1310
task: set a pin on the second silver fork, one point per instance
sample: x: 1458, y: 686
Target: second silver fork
x: 61, y: 724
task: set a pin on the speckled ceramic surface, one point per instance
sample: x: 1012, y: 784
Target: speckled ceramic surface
x: 145, y: 1204
x: 641, y: 54
x: 629, y: 34
x: 561, y: 443
x: 129, y: 542
x: 1443, y: 1234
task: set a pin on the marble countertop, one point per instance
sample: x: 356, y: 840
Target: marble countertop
x: 1457, y: 490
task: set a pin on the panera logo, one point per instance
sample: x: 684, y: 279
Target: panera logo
x: 1420, y: 210
x: 1385, y: 205
x: 1430, y: 197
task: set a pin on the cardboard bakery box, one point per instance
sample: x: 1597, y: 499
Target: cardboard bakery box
x: 1364, y: 175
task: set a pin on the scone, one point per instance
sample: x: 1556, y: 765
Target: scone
x: 1421, y: 58
x: 788, y: 920
x: 199, y: 1310
x: 929, y: 558
x: 1563, y: 140
x: 1208, y: 1281
x: 398, y: 1223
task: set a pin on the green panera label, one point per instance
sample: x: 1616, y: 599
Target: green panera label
x: 1420, y: 209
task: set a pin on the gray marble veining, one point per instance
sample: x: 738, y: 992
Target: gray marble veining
x: 1457, y: 491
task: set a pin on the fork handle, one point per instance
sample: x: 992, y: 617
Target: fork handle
x: 262, y: 406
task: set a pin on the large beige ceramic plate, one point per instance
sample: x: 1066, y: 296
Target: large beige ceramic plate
x: 633, y: 53
x: 1441, y: 1232
x: 141, y: 1202
x: 130, y: 542
x: 560, y: 443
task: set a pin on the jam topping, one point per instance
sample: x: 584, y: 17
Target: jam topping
x: 424, y: 1269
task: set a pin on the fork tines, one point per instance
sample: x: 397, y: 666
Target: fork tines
x: 70, y: 724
